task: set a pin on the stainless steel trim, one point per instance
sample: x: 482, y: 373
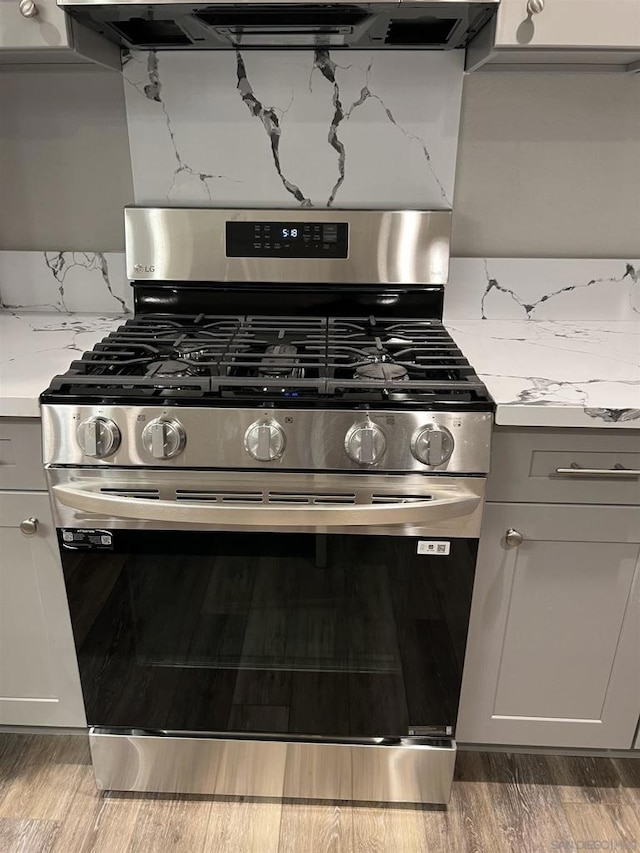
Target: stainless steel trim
x: 407, y: 772
x: 315, y: 438
x: 425, y: 3
x: 265, y: 517
x: 598, y: 472
x: 394, y: 505
x: 407, y: 247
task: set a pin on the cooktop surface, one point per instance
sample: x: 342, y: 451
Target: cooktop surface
x: 239, y: 359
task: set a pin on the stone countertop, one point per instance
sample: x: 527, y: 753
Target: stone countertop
x: 556, y: 374
x: 36, y: 346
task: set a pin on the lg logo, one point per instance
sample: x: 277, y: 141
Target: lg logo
x: 144, y: 268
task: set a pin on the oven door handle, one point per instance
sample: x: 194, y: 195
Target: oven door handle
x: 442, y: 506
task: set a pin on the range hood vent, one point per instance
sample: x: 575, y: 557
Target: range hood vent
x: 414, y: 24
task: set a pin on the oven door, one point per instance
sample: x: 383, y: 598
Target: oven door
x: 240, y: 619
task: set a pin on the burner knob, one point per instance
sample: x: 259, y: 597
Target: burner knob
x: 365, y: 443
x: 432, y: 444
x: 163, y: 439
x: 265, y: 441
x: 98, y: 437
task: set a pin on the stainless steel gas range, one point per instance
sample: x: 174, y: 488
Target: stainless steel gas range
x: 268, y: 488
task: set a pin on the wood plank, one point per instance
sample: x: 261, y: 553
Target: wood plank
x: 51, y: 768
x: 526, y: 809
x: 171, y: 823
x: 109, y: 825
x: 586, y: 779
x: 314, y: 827
x: 12, y: 751
x: 629, y: 772
x: 617, y: 826
x: 471, y: 822
x: 405, y: 829
x: 79, y: 822
x: 27, y: 836
x: 243, y: 826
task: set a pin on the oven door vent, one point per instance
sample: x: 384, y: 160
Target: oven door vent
x: 218, y: 496
x: 253, y: 497
x: 144, y: 494
x: 233, y: 496
x: 399, y: 499
x: 310, y: 498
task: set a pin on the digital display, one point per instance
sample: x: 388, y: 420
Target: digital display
x: 287, y: 240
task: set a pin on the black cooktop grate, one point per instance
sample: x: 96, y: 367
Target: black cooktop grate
x: 262, y: 359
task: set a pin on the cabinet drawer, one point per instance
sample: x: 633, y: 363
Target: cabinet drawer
x: 47, y: 29
x: 569, y: 24
x: 21, y: 454
x: 566, y: 466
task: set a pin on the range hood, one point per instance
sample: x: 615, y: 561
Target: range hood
x: 171, y: 25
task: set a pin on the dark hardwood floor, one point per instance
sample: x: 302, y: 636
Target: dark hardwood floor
x: 501, y: 802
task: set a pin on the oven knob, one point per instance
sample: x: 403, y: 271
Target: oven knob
x: 365, y: 443
x: 163, y: 439
x: 265, y: 441
x: 432, y: 444
x: 98, y: 437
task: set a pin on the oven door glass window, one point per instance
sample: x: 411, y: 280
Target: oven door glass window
x: 302, y: 634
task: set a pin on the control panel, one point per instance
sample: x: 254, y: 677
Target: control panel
x: 289, y: 438
x: 287, y: 239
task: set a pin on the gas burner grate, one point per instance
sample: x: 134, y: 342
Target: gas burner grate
x: 267, y: 358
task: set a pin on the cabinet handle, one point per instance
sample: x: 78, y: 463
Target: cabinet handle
x: 29, y: 526
x: 617, y: 471
x: 513, y: 538
x: 534, y: 7
x: 28, y: 8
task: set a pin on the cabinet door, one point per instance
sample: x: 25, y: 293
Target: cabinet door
x: 39, y: 682
x: 47, y: 28
x: 553, y: 655
x: 569, y: 23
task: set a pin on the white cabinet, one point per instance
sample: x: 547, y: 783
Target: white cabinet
x: 34, y: 31
x: 553, y: 655
x: 39, y: 680
x: 569, y: 24
x: 544, y: 33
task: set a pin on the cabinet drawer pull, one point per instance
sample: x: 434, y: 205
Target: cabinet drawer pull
x: 28, y: 8
x: 513, y: 538
x: 534, y: 7
x: 29, y: 526
x: 616, y: 471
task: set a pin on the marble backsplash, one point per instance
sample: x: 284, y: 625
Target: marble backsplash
x: 294, y: 128
x: 543, y: 289
x: 478, y: 288
x: 65, y: 281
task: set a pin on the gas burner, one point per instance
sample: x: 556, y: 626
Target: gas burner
x: 279, y: 361
x: 170, y: 367
x: 387, y: 370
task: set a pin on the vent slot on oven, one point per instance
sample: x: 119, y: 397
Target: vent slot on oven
x: 399, y: 499
x: 313, y: 498
x: 217, y: 496
x: 146, y: 494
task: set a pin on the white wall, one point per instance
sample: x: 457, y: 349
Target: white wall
x: 548, y: 166
x: 65, y: 170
